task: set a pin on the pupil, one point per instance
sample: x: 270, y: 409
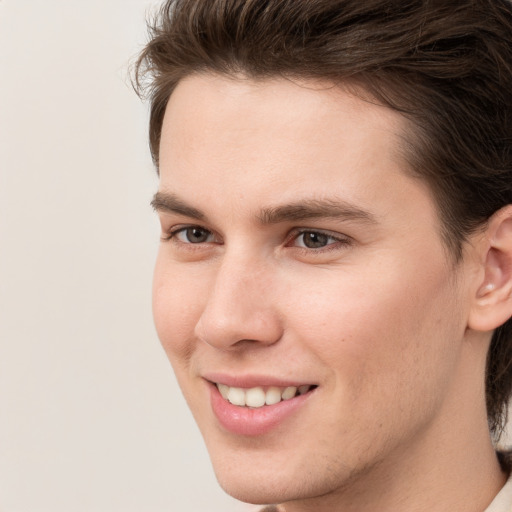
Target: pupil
x: 315, y: 240
x: 196, y: 235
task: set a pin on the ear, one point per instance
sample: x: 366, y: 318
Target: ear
x: 492, y: 305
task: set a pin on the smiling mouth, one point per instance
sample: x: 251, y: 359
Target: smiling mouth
x: 259, y: 396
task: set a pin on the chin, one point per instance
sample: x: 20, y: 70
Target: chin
x: 273, y: 480
x: 258, y: 491
x: 251, y: 493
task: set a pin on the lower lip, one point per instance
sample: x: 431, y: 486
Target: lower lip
x: 253, y: 422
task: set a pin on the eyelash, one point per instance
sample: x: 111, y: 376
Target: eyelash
x: 173, y: 233
x: 335, y: 240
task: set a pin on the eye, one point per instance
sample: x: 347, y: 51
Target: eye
x: 192, y: 235
x: 313, y: 240
x: 310, y: 239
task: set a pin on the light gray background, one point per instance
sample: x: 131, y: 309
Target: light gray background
x: 91, y: 418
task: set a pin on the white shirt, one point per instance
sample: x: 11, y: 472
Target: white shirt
x: 503, y: 500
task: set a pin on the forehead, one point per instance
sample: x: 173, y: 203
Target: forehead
x: 207, y: 105
x: 271, y: 141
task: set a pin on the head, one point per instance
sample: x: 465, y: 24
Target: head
x: 439, y: 73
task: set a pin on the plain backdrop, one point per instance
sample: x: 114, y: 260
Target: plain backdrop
x: 91, y: 418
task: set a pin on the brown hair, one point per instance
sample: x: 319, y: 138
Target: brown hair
x: 446, y: 66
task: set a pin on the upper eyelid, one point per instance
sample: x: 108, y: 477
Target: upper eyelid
x: 171, y: 223
x: 291, y: 235
x: 332, y: 234
x: 174, y: 230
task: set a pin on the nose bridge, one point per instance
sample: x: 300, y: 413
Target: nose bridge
x: 240, y: 305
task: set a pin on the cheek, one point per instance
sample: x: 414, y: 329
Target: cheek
x: 391, y: 327
x: 176, y: 309
x: 387, y: 357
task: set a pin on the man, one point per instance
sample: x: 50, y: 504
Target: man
x: 334, y: 282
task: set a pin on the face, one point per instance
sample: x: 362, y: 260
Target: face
x: 301, y: 272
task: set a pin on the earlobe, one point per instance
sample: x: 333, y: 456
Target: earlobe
x: 492, y: 305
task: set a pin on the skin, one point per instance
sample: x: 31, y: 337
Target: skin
x: 378, y: 318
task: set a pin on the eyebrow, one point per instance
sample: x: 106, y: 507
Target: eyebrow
x: 296, y: 211
x: 314, y: 209
x: 166, y: 202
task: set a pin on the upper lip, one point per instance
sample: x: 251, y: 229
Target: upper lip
x: 252, y: 381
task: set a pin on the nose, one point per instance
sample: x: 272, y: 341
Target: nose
x: 240, y: 307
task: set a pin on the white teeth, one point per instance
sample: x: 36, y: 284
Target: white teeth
x: 258, y: 397
x: 289, y: 392
x: 236, y: 396
x: 303, y: 389
x: 255, y: 397
x: 223, y: 389
x: 273, y: 396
